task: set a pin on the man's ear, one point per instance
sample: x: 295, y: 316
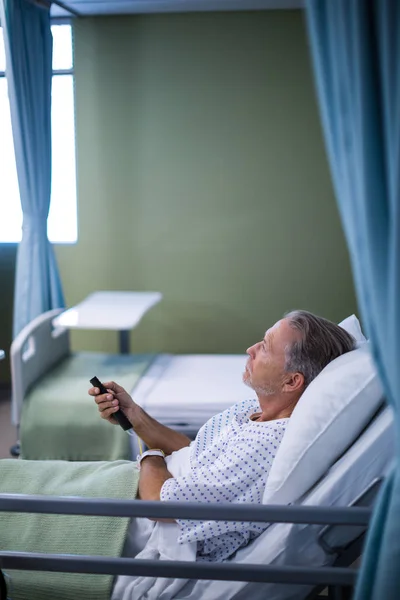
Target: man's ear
x: 294, y: 382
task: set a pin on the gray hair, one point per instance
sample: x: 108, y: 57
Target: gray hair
x: 321, y: 341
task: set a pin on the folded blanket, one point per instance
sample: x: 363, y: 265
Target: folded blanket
x: 66, y: 534
x: 61, y: 422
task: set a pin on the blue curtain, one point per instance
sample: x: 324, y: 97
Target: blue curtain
x: 29, y: 48
x: 355, y: 48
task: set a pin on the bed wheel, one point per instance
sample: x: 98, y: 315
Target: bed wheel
x: 15, y: 451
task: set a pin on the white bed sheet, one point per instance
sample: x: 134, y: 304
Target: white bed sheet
x: 189, y: 389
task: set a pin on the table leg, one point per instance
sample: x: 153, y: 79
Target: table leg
x: 124, y: 341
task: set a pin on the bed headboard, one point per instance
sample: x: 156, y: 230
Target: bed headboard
x: 34, y: 351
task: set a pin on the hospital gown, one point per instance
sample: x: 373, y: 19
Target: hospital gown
x: 229, y: 462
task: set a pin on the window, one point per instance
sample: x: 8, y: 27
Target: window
x: 62, y: 221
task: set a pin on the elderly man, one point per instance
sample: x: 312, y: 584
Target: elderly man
x: 232, y: 454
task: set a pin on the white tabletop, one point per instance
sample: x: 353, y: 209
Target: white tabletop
x: 109, y: 310
x: 2, y: 354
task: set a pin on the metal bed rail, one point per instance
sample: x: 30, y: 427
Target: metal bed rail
x: 107, y: 507
x: 332, y: 576
x: 337, y: 576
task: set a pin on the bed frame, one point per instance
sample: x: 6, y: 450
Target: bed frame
x: 342, y: 537
x: 31, y: 357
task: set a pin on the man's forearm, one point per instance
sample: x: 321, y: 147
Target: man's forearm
x: 153, y: 474
x: 154, y: 434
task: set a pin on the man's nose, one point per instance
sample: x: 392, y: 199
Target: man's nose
x: 251, y: 350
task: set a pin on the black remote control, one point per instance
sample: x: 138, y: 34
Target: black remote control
x: 119, y: 415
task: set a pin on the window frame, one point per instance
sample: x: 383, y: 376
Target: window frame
x: 57, y: 73
x: 56, y: 21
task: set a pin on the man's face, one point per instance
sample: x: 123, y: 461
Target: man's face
x: 265, y: 368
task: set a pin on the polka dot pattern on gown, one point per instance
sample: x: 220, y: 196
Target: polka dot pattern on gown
x: 230, y: 461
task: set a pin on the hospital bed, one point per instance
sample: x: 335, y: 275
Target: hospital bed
x: 181, y: 391
x: 289, y: 561
x: 314, y: 510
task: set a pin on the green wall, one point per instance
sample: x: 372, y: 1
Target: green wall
x: 202, y: 174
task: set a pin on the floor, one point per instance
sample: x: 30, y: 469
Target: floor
x: 8, y: 433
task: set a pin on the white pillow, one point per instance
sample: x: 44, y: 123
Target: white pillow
x: 329, y: 416
x: 352, y: 326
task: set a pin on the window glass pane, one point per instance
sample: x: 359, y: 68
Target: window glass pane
x: 2, y: 52
x: 62, y: 221
x: 10, y: 207
x: 62, y: 46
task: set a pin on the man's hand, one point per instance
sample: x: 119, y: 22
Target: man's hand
x: 153, y: 433
x: 116, y: 399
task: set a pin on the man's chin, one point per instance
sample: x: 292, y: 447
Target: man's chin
x: 263, y: 391
x: 247, y: 379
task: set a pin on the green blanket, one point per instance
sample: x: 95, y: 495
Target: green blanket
x: 61, y: 422
x: 66, y: 534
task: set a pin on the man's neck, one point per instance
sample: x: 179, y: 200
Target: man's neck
x: 275, y: 407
